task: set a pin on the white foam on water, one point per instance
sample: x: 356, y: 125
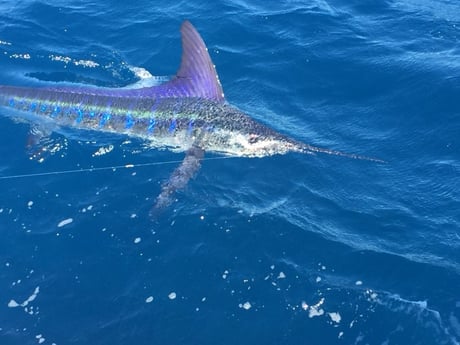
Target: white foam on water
x: 140, y: 72
x: 335, y: 317
x: 25, y: 56
x: 172, y: 295
x: 64, y: 222
x: 60, y: 58
x: 67, y: 60
x: 103, y: 150
x: 245, y: 305
x: 31, y: 297
x: 86, y: 63
x: 149, y: 299
x: 315, y: 312
x: 13, y: 304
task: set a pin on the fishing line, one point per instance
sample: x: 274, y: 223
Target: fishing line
x: 114, y: 167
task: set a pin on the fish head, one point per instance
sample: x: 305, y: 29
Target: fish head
x: 262, y: 143
x: 238, y: 134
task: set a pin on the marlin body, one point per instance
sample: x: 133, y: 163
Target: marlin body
x: 188, y: 113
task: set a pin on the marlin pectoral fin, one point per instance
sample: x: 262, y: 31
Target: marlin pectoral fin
x: 39, y: 145
x: 178, y: 180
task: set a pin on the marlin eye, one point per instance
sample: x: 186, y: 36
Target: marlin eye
x: 253, y: 138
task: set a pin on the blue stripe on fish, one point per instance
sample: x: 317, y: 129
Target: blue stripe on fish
x: 151, y: 126
x: 56, y: 111
x: 43, y: 107
x: 79, y: 117
x: 172, y: 126
x: 129, y: 121
x: 11, y: 102
x: 104, y: 119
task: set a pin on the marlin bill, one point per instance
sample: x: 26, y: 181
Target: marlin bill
x: 187, y: 113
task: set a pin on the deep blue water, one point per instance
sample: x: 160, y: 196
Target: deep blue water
x: 294, y: 249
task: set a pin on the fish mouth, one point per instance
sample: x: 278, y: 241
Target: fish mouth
x: 272, y: 146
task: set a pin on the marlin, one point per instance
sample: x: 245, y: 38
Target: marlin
x: 187, y: 113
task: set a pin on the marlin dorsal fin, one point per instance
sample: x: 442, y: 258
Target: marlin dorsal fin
x: 197, y: 76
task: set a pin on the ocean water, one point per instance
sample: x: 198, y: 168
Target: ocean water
x: 293, y: 249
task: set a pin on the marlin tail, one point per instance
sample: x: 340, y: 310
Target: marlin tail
x: 187, y: 113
